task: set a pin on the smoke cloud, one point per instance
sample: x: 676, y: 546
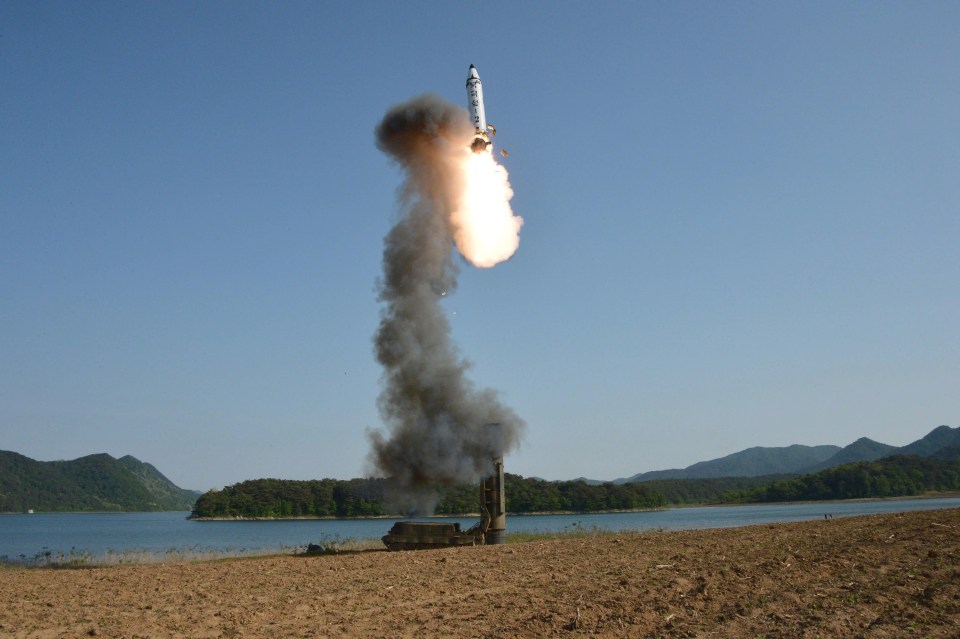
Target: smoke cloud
x: 438, y: 424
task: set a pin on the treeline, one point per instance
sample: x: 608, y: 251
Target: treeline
x: 291, y: 498
x: 713, y: 490
x: 897, y: 476
x: 281, y: 498
x: 528, y: 495
x: 537, y: 495
x: 890, y: 477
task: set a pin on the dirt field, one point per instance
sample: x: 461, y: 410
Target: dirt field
x: 874, y: 576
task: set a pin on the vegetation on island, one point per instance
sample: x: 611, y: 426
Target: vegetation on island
x: 284, y: 498
x: 537, y: 495
x: 277, y: 498
x: 897, y: 476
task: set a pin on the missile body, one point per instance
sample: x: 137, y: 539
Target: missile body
x: 477, y: 115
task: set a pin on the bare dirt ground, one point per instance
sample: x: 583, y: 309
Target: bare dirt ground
x: 875, y: 576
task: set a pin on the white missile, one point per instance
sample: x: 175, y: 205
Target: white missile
x: 477, y: 115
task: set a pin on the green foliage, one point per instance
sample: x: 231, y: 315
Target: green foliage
x: 284, y: 498
x: 279, y: 498
x: 537, y: 495
x: 896, y: 476
x: 92, y: 483
x: 110, y: 483
x: 164, y: 490
x: 706, y: 491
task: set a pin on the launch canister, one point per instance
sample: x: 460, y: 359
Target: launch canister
x: 477, y: 115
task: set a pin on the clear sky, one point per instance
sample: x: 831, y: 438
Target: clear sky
x: 742, y: 227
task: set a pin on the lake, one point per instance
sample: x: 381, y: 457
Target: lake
x: 154, y: 535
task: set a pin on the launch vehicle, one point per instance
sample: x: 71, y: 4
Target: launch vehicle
x: 477, y: 114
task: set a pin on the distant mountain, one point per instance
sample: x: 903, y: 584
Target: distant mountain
x: 940, y: 437
x: 670, y: 473
x: 801, y: 460
x: 588, y: 482
x: 863, y: 449
x: 948, y: 453
x: 92, y: 483
x: 752, y: 462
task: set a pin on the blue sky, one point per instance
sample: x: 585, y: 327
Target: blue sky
x: 742, y: 223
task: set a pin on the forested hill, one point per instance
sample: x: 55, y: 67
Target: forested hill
x: 895, y: 476
x: 92, y: 483
x: 752, y: 462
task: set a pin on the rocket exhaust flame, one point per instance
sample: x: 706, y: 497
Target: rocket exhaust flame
x: 485, y: 229
x: 436, y: 420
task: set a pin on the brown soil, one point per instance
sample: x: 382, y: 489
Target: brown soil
x: 875, y: 576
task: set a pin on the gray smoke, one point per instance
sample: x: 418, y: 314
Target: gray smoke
x: 438, y: 424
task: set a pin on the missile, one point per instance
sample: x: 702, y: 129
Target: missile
x: 477, y: 115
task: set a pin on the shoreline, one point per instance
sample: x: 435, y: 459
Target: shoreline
x: 928, y: 495
x: 872, y: 576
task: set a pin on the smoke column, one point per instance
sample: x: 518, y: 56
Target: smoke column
x: 437, y: 423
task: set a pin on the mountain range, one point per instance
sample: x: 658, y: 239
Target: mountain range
x: 92, y: 483
x: 800, y: 460
x: 102, y: 483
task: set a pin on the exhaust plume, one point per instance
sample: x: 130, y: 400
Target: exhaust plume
x: 438, y: 424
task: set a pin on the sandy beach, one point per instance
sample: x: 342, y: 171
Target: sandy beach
x: 872, y: 576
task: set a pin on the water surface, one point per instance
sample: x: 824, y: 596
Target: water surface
x: 87, y: 534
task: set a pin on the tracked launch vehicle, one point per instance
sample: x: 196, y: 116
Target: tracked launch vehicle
x: 491, y: 529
